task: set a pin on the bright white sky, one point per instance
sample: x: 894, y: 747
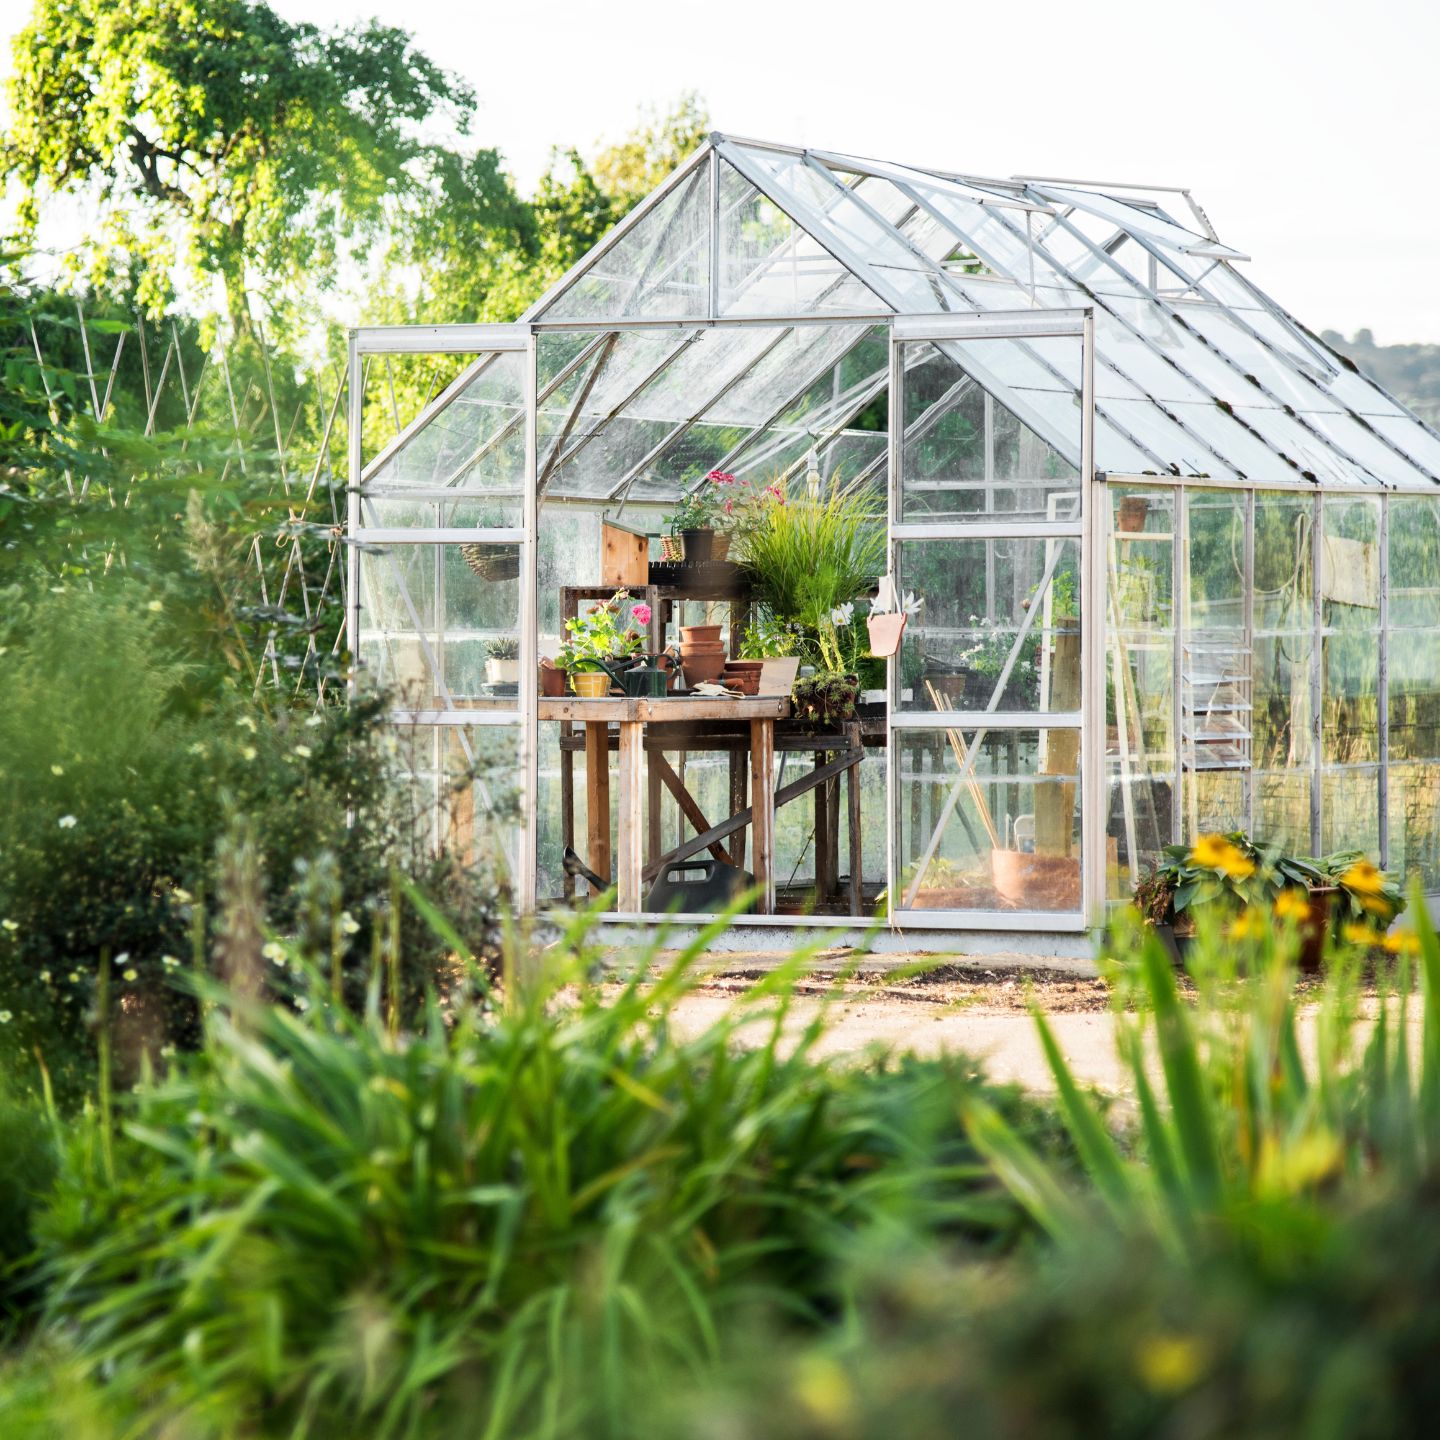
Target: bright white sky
x: 1306, y: 128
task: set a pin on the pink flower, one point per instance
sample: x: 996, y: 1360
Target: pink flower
x: 642, y: 614
x: 720, y: 477
x: 729, y: 507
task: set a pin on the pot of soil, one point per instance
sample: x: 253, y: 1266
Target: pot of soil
x: 1315, y: 927
x: 1177, y: 939
x: 1029, y: 881
x: 1131, y: 512
x: 699, y: 546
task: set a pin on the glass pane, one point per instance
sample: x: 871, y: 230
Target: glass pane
x: 1215, y: 555
x: 1139, y: 678
x: 661, y: 267
x: 999, y: 628
x: 1414, y: 561
x: 471, y: 438
x: 1350, y: 564
x: 431, y: 618
x: 1214, y: 802
x: 1414, y: 806
x: 465, y: 786
x: 1282, y: 809
x: 769, y: 266
x: 988, y: 821
x: 966, y: 455
x: 1414, y: 690
x: 1350, y: 809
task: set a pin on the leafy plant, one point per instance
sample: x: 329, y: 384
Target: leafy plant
x: 600, y: 635
x: 503, y: 647
x: 807, y: 557
x: 510, y: 1220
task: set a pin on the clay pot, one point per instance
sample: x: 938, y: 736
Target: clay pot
x: 746, y: 682
x: 552, y: 682
x: 741, y: 667
x: 1036, y: 882
x: 704, y: 633
x: 702, y: 668
x: 1131, y: 512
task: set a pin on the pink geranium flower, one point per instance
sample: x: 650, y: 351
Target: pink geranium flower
x: 642, y: 614
x: 719, y: 477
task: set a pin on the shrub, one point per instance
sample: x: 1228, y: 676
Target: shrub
x: 507, y: 1220
x: 116, y: 786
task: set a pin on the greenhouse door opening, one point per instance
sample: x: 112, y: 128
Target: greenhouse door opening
x: 989, y: 517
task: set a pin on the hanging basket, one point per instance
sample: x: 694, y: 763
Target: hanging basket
x: 492, y: 562
x: 885, y: 633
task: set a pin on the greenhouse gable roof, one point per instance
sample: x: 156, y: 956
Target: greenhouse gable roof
x: 1197, y: 372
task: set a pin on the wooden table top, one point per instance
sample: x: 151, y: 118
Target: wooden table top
x: 671, y: 707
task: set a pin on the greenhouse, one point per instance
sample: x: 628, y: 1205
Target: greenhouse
x: 1167, y: 563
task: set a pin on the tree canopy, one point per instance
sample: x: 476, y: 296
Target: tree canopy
x: 256, y: 151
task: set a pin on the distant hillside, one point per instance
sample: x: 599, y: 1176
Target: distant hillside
x: 1411, y: 373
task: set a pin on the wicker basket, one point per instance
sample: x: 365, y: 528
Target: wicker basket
x: 493, y: 562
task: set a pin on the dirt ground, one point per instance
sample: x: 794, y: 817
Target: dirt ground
x: 976, y: 1006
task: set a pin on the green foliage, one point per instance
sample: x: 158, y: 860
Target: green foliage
x: 271, y: 145
x: 510, y: 1219
x: 808, y: 557
x: 121, y: 768
x: 28, y: 1167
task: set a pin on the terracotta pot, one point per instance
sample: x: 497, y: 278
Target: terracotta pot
x: 1036, y: 882
x: 741, y: 666
x: 552, y: 682
x: 1315, y: 927
x: 1131, y: 512
x: 591, y: 684
x: 716, y: 649
x: 701, y: 668
x: 689, y: 633
x: 720, y: 546
x: 885, y: 633
x: 747, y: 682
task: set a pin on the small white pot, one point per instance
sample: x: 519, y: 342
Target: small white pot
x: 502, y: 672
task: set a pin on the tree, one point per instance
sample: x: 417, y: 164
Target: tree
x: 268, y: 150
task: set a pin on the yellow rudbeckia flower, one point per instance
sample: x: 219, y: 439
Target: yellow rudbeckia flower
x: 1247, y: 925
x: 1292, y: 905
x: 1215, y: 852
x: 1366, y: 935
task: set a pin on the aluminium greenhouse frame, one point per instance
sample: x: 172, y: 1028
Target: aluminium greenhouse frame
x: 1171, y: 374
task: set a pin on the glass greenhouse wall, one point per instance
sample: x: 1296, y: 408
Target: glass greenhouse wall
x: 1179, y: 562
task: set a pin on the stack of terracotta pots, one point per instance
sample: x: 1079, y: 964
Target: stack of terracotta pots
x: 702, y: 654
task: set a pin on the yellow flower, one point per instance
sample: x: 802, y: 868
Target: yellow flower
x: 1292, y: 905
x: 1367, y: 884
x: 1215, y: 852
x: 1402, y: 942
x: 1171, y: 1363
x: 1246, y: 926
x: 1366, y: 935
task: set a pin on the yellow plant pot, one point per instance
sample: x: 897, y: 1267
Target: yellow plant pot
x: 591, y: 684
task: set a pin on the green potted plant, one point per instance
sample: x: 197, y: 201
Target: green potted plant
x: 602, y: 637
x: 502, y: 663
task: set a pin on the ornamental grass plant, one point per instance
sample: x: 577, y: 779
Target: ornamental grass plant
x: 509, y: 1220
